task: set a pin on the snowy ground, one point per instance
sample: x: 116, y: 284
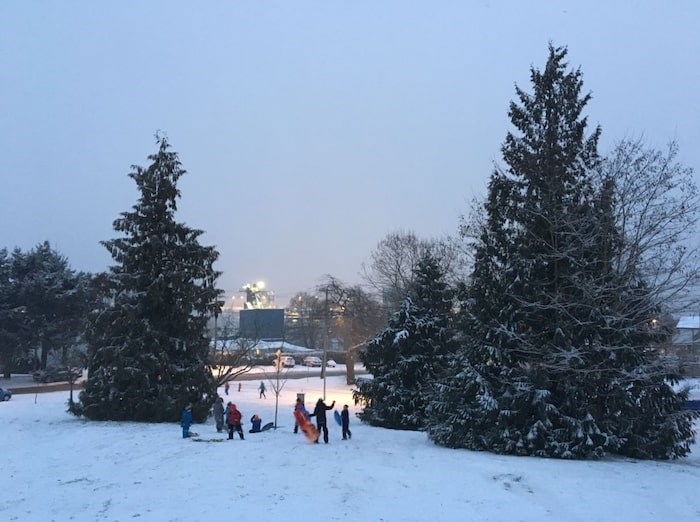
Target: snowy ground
x: 57, y: 467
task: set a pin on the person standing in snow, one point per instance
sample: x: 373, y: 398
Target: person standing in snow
x: 218, y: 411
x: 262, y: 390
x: 299, y: 406
x: 345, y: 422
x: 186, y: 421
x: 226, y: 387
x: 234, y: 421
x: 320, y: 414
x: 228, y: 408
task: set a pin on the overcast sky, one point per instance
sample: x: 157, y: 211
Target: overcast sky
x: 309, y: 129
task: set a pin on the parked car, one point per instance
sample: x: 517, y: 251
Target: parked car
x: 5, y: 395
x: 330, y: 363
x: 312, y: 360
x: 56, y: 374
x: 286, y: 361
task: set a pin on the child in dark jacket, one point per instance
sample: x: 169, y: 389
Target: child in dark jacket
x: 345, y: 422
x: 218, y: 410
x: 186, y: 421
x: 255, y: 421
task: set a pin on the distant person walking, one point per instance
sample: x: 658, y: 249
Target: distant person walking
x: 186, y: 421
x: 345, y: 422
x: 218, y: 411
x: 320, y: 414
x: 262, y: 390
x: 234, y: 421
x: 226, y: 387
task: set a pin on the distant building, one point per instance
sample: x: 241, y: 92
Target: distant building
x: 686, y: 344
x: 262, y: 324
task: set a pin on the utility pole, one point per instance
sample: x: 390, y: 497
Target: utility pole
x: 277, y: 388
x: 325, y: 344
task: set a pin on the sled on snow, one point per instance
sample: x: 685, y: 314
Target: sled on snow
x: 267, y: 426
x: 308, y: 429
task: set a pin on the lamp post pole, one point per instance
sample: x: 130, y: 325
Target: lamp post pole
x: 277, y: 382
x: 325, y: 345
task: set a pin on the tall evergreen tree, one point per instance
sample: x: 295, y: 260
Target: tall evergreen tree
x: 54, y: 298
x: 409, y: 353
x: 559, y: 360
x: 13, y: 318
x: 148, y: 348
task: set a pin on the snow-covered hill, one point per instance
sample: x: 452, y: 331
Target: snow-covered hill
x: 57, y: 467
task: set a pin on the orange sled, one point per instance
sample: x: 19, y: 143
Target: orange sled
x: 306, y: 427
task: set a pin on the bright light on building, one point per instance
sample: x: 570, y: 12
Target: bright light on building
x: 257, y: 297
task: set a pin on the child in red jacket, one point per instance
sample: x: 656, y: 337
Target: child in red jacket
x: 234, y: 421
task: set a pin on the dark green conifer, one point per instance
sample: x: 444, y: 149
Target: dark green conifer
x: 559, y: 359
x: 409, y: 353
x: 148, y: 347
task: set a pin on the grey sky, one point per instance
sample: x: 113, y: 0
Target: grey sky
x: 309, y: 129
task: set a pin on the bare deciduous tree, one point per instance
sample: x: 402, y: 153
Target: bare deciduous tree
x: 392, y: 263
x: 656, y: 204
x: 353, y: 315
x: 304, y: 323
x: 277, y: 379
x: 231, y: 355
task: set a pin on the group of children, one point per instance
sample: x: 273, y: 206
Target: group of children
x: 232, y: 417
x: 321, y: 422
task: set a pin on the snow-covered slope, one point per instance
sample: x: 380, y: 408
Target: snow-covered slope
x: 57, y: 467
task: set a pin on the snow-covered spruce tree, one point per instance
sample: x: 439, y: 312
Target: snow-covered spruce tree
x: 14, y: 323
x: 559, y: 359
x: 54, y: 298
x: 405, y: 358
x: 147, y: 348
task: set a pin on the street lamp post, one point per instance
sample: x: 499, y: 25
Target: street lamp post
x: 325, y: 345
x: 277, y: 383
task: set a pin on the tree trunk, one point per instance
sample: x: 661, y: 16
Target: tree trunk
x: 350, y: 368
x: 44, y: 353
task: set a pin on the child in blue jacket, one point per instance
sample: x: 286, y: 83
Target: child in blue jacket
x: 256, y: 421
x: 186, y: 421
x: 345, y: 422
